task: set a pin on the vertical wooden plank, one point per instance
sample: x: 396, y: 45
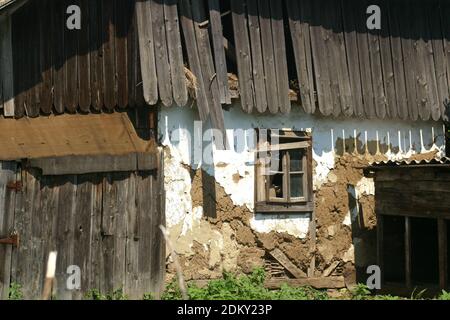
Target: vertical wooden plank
x: 219, y: 50
x: 299, y: 30
x: 180, y: 94
x: 132, y: 243
x: 321, y: 60
x: 19, y: 47
x: 108, y: 214
x: 132, y: 54
x: 443, y: 259
x: 121, y: 181
x: 82, y: 231
x: 338, y: 50
x: 377, y: 70
x: 96, y: 256
x: 408, y: 252
x: 96, y: 54
x: 6, y: 68
x: 350, y: 36
x: 257, y: 56
x: 426, y: 80
x: 122, y: 27
x: 46, y: 50
x: 59, y: 25
x: 145, y: 232
x: 445, y: 23
x: 7, y: 196
x: 71, y: 64
x: 84, y: 66
x: 193, y: 57
x: 380, y: 243
x: 146, y: 51
x: 207, y: 67
x: 268, y: 55
x: 244, y: 63
x: 161, y: 54
x: 64, y: 232
x: 364, y: 60
x: 109, y: 55
x: 397, y: 60
x: 276, y: 8
x: 437, y: 38
x: 404, y: 16
x: 33, y: 74
x: 49, y: 213
x: 23, y: 262
x: 386, y: 61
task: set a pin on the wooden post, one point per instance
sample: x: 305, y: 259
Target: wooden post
x: 6, y: 68
x: 380, y: 240
x: 442, y: 238
x: 408, y: 252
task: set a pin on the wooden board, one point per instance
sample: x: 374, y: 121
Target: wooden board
x: 243, y: 54
x: 161, y: 53
x: 6, y: 68
x: 175, y: 51
x: 7, y: 196
x: 146, y: 51
x: 106, y: 224
x: 285, y: 262
x: 279, y: 44
x: 215, y: 19
x: 268, y: 55
x: 299, y: 29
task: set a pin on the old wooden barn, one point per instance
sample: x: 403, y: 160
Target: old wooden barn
x: 113, y: 115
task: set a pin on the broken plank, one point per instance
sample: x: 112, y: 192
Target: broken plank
x: 193, y: 57
x: 219, y: 50
x: 146, y: 51
x: 281, y: 67
x: 257, y: 56
x: 6, y: 68
x: 317, y: 283
x: 161, y: 54
x: 178, y: 78
x: 268, y: 55
x: 244, y: 62
x: 285, y: 262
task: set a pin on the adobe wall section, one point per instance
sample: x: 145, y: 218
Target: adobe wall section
x: 209, y: 206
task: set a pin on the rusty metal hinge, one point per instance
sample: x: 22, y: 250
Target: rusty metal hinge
x: 15, y: 185
x: 13, y: 239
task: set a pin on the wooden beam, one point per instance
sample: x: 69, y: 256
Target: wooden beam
x: 278, y: 255
x: 380, y: 240
x: 317, y: 283
x: 94, y: 164
x: 6, y: 68
x: 443, y: 259
x: 408, y: 252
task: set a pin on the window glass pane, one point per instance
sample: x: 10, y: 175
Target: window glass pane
x: 296, y: 186
x: 296, y: 160
x: 276, y: 186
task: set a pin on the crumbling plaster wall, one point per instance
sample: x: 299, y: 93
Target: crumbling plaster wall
x: 210, y: 193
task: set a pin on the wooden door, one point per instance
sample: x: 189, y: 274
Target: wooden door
x: 107, y: 224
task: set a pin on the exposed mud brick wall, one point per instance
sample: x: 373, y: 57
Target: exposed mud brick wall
x: 210, y: 214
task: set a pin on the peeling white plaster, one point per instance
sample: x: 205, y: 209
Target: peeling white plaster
x: 294, y: 224
x: 330, y: 136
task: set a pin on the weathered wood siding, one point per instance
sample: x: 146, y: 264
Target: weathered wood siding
x: 105, y: 223
x: 317, y: 52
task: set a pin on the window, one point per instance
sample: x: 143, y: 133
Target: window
x: 283, y: 174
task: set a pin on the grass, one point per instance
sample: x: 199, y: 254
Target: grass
x: 245, y: 287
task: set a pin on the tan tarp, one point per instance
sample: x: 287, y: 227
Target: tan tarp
x: 64, y: 135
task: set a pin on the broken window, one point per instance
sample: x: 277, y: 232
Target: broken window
x: 283, y: 171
